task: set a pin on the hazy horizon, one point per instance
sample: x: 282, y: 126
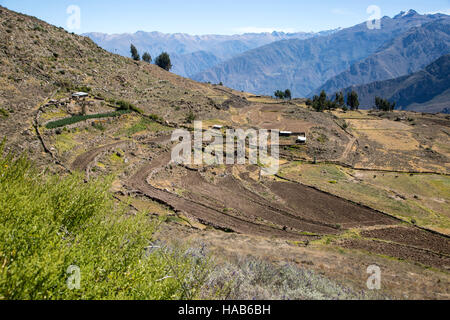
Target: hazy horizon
x: 200, y: 17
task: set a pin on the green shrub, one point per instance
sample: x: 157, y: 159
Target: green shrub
x: 155, y: 117
x: 82, y: 89
x: 39, y: 28
x: 4, y: 113
x: 69, y: 86
x: 191, y: 117
x: 125, y: 105
x: 49, y: 223
x: 98, y: 126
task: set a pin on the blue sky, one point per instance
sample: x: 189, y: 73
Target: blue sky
x: 216, y: 17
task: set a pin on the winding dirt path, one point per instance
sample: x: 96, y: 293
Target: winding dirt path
x: 202, y: 212
x: 303, y: 212
x: 347, y: 150
x: 83, y: 161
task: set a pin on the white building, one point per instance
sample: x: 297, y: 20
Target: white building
x: 79, y: 95
x: 301, y: 139
x: 285, y: 133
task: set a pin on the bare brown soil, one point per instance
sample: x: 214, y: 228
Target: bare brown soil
x: 231, y: 195
x: 200, y: 211
x: 244, y: 204
x: 286, y: 210
x: 412, y: 237
x: 329, y: 209
x: 82, y: 162
x: 402, y: 252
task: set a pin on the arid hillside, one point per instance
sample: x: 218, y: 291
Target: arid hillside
x: 367, y: 187
x: 38, y: 60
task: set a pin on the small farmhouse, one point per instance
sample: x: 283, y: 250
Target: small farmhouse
x: 285, y: 133
x: 78, y: 95
x: 301, y: 138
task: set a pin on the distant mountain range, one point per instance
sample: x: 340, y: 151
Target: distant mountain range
x: 403, y: 55
x: 192, y: 54
x: 427, y: 90
x: 305, y: 65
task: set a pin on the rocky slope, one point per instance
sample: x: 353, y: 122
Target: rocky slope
x: 38, y: 60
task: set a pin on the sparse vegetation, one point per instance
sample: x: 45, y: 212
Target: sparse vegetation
x: 145, y: 124
x: 190, y: 117
x: 250, y: 278
x: 98, y: 126
x: 65, y: 141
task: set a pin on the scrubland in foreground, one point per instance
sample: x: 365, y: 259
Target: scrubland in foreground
x: 49, y: 224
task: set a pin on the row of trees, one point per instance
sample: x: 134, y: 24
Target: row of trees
x: 287, y: 94
x: 384, y: 105
x: 162, y: 61
x: 321, y: 103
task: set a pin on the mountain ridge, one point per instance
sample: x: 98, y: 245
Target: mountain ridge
x: 403, y: 55
x: 425, y: 91
x: 305, y: 65
x: 182, y: 46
